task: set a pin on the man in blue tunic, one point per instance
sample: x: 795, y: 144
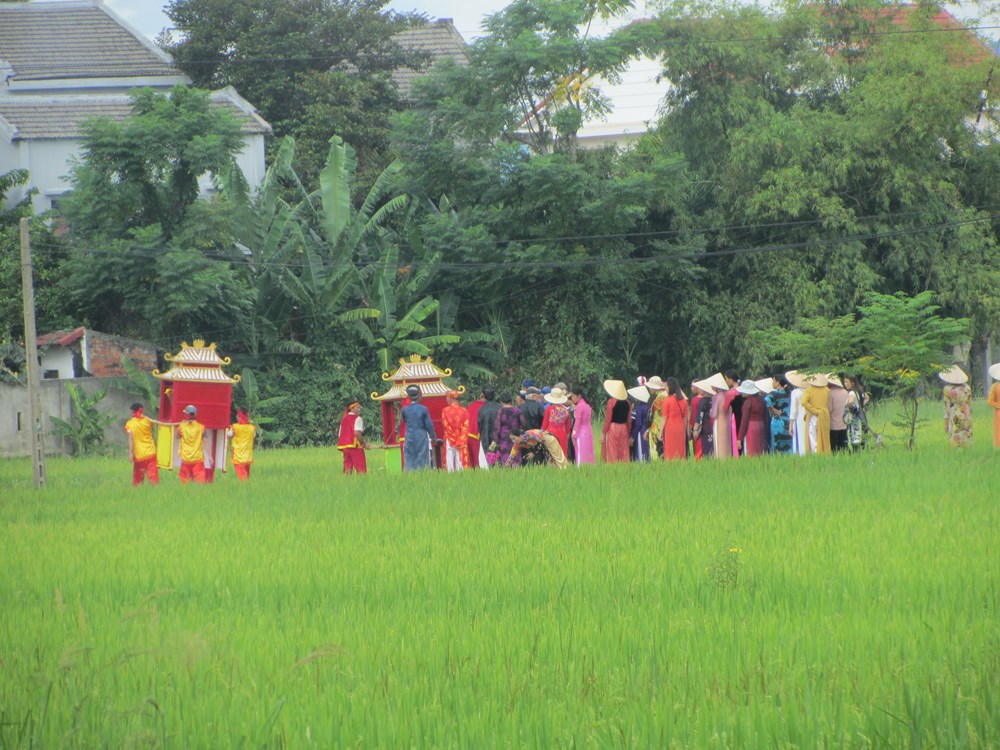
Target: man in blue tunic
x: 419, y: 432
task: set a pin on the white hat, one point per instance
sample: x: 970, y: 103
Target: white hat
x: 995, y: 371
x: 764, y: 385
x: 616, y: 389
x: 817, y: 379
x: 556, y: 396
x: 655, y: 384
x: 796, y: 378
x: 748, y: 388
x: 704, y: 385
x: 718, y: 382
x: 639, y: 393
x: 834, y: 380
x: 954, y: 375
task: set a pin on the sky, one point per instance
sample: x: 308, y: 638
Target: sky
x: 635, y: 99
x: 148, y: 17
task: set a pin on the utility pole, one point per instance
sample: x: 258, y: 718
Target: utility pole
x: 31, y: 355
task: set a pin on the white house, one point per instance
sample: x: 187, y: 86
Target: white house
x: 64, y: 62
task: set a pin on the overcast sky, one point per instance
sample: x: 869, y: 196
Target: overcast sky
x: 147, y: 15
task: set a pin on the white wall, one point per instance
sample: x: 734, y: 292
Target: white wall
x: 58, y: 358
x: 48, y: 164
x: 15, y: 428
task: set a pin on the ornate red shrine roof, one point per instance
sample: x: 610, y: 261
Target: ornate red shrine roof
x: 416, y: 371
x: 197, y: 363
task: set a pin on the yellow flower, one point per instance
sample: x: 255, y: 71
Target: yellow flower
x: 735, y: 550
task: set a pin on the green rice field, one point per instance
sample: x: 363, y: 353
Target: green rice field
x: 844, y: 602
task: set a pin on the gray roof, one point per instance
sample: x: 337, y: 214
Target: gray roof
x: 439, y: 39
x: 75, y: 40
x: 37, y: 118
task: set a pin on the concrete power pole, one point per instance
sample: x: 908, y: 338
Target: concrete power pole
x: 35, y: 417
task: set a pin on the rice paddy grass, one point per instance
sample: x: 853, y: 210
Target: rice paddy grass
x: 845, y: 602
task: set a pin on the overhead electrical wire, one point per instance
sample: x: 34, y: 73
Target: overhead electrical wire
x: 565, y: 261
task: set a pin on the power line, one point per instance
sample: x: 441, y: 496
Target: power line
x: 602, y: 260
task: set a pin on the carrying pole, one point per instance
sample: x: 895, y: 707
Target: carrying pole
x: 35, y: 416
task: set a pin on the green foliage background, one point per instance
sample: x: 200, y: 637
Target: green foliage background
x: 802, y: 161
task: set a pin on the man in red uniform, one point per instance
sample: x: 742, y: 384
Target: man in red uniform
x: 351, y: 440
x: 456, y: 433
x: 473, y: 411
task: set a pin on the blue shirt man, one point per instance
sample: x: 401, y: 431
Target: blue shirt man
x: 419, y: 432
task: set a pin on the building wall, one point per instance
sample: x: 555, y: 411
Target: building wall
x: 103, y: 354
x: 15, y: 427
x: 60, y: 359
x: 48, y: 165
x: 10, y: 159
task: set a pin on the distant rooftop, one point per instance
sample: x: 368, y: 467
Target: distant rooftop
x: 60, y: 117
x: 439, y: 39
x: 79, y: 39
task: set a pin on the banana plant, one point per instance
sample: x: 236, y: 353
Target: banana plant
x: 257, y: 407
x: 85, y: 429
x: 142, y: 384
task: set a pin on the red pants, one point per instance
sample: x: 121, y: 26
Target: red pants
x: 145, y: 468
x: 242, y: 471
x: 195, y: 471
x: 354, y: 460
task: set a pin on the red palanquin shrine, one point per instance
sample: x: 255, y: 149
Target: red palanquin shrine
x: 430, y: 378
x: 196, y: 377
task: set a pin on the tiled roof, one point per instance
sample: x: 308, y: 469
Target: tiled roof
x: 197, y: 363
x: 398, y: 391
x: 74, y: 40
x: 61, y: 338
x: 415, y: 371
x: 438, y: 39
x: 38, y: 118
x: 197, y: 354
x: 195, y: 375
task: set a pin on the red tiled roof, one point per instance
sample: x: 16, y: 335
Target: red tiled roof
x: 61, y: 338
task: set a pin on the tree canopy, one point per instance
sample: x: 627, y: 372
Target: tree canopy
x: 314, y: 68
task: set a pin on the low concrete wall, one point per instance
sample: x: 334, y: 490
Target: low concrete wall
x: 15, y: 427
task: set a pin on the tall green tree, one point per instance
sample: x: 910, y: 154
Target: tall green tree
x: 149, y: 253
x: 314, y: 68
x: 144, y: 170
x: 896, y: 343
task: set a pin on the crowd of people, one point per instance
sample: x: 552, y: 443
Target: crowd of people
x: 721, y: 417
x: 724, y: 416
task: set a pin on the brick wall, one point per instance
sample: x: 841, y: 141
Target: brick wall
x: 105, y: 352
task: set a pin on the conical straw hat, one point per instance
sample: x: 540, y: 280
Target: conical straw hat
x: 954, y: 375
x: 616, y: 389
x: 796, y: 378
x: 718, y: 382
x: 995, y: 371
x: 764, y: 385
x: 817, y: 379
x: 639, y: 393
